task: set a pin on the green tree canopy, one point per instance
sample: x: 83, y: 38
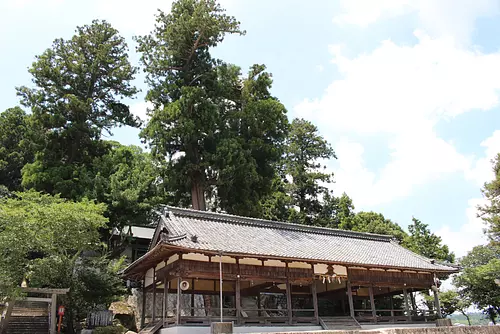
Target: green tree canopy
x: 481, y: 267
x: 304, y: 151
x: 451, y: 301
x: 54, y: 243
x: 336, y: 212
x: 128, y: 182
x: 16, y: 146
x: 422, y: 241
x: 373, y: 222
x: 34, y: 226
x: 491, y: 211
x: 219, y: 136
x: 78, y: 89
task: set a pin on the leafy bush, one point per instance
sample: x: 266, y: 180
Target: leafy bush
x: 110, y: 330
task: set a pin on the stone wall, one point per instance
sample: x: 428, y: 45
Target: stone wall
x: 427, y: 330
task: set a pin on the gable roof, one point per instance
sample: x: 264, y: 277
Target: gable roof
x: 242, y: 236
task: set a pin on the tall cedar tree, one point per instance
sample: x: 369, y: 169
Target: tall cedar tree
x: 217, y: 135
x: 16, y: 146
x: 79, y: 87
x: 305, y: 148
x: 491, y: 211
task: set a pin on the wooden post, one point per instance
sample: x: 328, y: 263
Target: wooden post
x: 315, y: 300
x: 165, y: 298
x: 407, y: 304
x: 178, y: 311
x: 4, y: 324
x: 437, y: 305
x: 258, y: 304
x: 53, y: 313
x: 153, y: 317
x: 349, y: 296
x: 289, y: 297
x: 238, y: 293
x: 143, y: 315
x: 372, y: 303
x: 392, y: 306
x: 192, y: 297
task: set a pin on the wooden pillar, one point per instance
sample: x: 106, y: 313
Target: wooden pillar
x: 315, y: 300
x: 289, y: 296
x: 372, y: 303
x: 258, y: 304
x: 143, y: 315
x: 178, y: 311
x: 238, y: 294
x: 192, y: 297
x: 437, y: 305
x: 53, y: 314
x: 392, y: 306
x: 349, y: 296
x: 407, y: 304
x: 4, y: 324
x: 165, y: 299
x: 153, y: 317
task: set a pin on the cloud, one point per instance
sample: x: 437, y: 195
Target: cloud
x: 468, y: 235
x: 482, y: 171
x: 443, y: 18
x: 401, y: 92
x: 129, y: 16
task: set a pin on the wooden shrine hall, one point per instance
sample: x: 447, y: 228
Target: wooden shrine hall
x: 277, y: 274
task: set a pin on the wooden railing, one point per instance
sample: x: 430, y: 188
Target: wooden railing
x: 394, y: 315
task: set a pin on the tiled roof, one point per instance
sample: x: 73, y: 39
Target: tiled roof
x: 254, y: 237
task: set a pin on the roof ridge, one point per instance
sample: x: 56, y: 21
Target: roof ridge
x: 278, y: 224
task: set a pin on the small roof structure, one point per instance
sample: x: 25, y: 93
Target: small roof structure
x: 139, y: 232
x: 213, y: 233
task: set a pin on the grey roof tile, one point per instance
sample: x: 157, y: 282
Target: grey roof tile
x: 255, y: 237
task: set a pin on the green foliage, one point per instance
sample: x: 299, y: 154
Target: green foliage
x: 16, y: 146
x: 35, y: 226
x: 491, y: 212
x: 373, y: 222
x: 93, y: 281
x: 422, y: 241
x: 451, y: 301
x: 304, y: 150
x: 481, y: 267
x: 216, y: 135
x: 127, y: 181
x: 79, y: 84
x: 109, y: 330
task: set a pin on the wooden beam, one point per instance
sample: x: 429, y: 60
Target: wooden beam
x: 46, y: 291
x: 288, y: 296
x: 38, y: 299
x: 178, y: 311
x: 407, y: 304
x: 372, y: 303
x: 53, y: 313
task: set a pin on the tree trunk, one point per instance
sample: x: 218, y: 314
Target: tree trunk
x: 467, y: 317
x: 198, y: 194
